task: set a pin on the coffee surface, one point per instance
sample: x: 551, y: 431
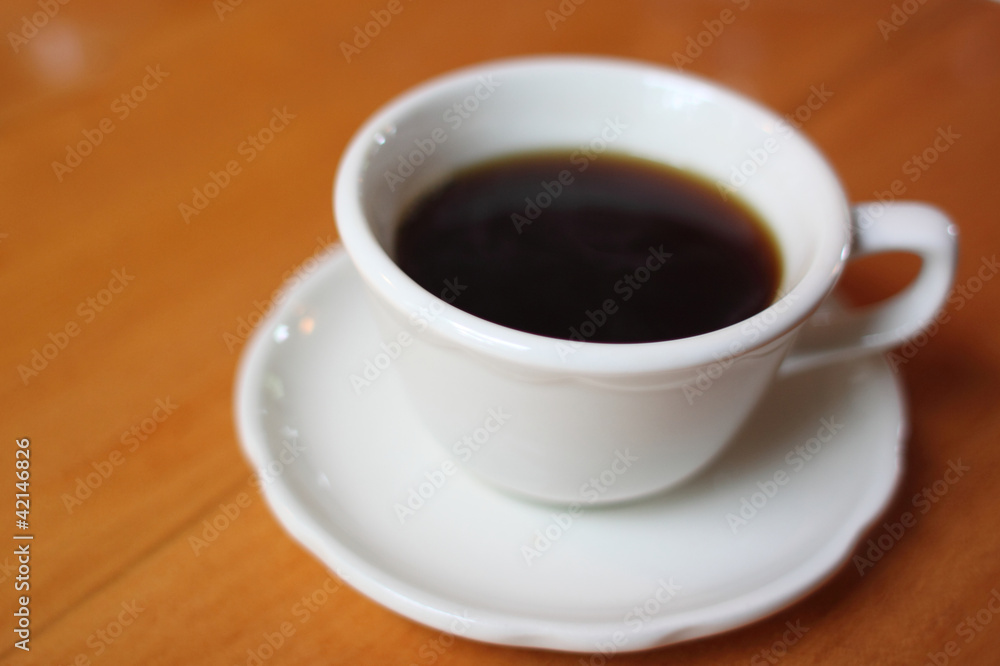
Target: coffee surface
x: 614, y: 249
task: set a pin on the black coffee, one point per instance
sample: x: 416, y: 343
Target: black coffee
x: 611, y: 250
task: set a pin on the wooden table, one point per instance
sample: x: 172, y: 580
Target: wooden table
x: 122, y: 310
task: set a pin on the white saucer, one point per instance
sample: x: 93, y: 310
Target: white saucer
x: 615, y: 579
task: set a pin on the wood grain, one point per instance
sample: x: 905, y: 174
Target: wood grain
x: 164, y: 336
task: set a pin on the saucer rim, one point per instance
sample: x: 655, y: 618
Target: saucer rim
x: 521, y: 629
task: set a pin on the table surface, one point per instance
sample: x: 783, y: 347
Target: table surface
x: 121, y: 315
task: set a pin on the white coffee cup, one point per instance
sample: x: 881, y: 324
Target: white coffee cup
x: 544, y: 417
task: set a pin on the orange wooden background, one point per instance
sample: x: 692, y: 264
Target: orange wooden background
x: 114, y: 578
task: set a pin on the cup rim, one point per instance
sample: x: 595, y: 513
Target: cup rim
x: 532, y: 351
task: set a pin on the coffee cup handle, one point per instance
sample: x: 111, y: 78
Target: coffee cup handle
x: 841, y: 334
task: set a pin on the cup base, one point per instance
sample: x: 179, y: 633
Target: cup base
x: 376, y: 501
